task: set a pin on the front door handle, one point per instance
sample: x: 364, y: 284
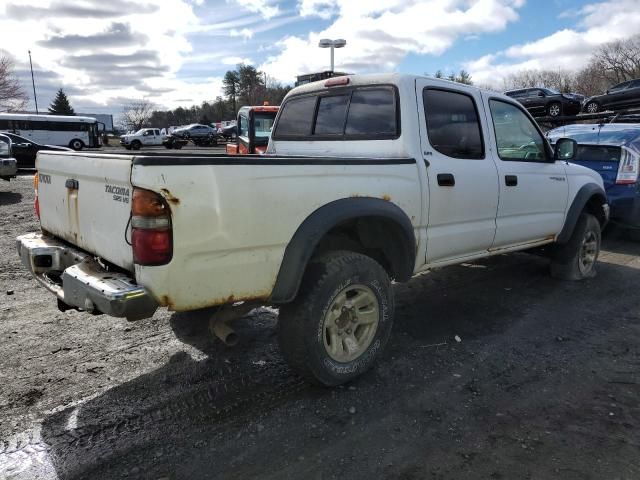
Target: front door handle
x: 510, y: 180
x: 446, y: 180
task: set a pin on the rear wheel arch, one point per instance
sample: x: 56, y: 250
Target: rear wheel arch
x: 591, y: 198
x: 370, y: 226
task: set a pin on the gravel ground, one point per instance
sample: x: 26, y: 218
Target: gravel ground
x: 543, y: 384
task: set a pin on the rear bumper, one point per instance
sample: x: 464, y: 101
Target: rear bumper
x: 79, y: 281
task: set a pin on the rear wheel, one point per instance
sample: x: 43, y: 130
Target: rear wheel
x: 76, y: 144
x: 576, y: 260
x: 341, y: 319
x: 554, y: 109
x: 592, y: 107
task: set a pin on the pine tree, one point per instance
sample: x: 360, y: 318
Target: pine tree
x: 61, y: 105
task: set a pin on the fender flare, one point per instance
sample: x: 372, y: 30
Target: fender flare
x: 308, y: 235
x: 581, y: 199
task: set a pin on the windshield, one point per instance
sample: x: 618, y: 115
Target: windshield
x: 263, y: 124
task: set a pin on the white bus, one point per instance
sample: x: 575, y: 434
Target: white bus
x: 67, y: 131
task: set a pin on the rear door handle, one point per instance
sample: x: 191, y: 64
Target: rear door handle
x: 510, y: 180
x: 446, y: 180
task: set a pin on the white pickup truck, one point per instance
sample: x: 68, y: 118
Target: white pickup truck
x: 367, y: 179
x: 144, y: 137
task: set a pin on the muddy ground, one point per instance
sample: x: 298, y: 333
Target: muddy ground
x: 545, y: 383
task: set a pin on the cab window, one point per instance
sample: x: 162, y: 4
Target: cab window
x: 517, y: 138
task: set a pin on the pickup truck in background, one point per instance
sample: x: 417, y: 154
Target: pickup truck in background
x: 144, y: 137
x: 367, y: 179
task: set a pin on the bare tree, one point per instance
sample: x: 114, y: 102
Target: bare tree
x: 137, y: 114
x: 12, y: 95
x: 619, y: 61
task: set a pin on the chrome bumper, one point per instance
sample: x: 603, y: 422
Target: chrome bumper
x: 79, y: 281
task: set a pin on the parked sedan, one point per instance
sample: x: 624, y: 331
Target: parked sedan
x: 25, y: 150
x: 619, y: 97
x: 546, y: 102
x: 194, y: 131
x: 613, y: 150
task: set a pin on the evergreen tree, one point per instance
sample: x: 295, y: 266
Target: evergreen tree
x: 61, y: 105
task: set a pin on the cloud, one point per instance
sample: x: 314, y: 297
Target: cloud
x: 244, y: 33
x: 78, y: 9
x: 381, y: 33
x: 101, y: 51
x: 266, y: 8
x: 116, y: 35
x: 568, y: 49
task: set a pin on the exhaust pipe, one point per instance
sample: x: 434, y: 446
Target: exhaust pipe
x: 225, y: 333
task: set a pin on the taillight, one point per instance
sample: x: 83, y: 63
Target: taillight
x: 36, y: 203
x: 151, y: 236
x: 629, y: 167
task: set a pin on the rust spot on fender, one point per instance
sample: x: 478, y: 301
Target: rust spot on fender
x: 168, y: 196
x: 166, y: 301
x: 386, y: 197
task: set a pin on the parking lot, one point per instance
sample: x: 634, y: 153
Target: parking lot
x: 544, y: 382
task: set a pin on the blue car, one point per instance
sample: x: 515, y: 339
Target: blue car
x: 612, y: 150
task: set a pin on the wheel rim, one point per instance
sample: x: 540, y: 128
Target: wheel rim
x: 76, y: 145
x: 350, y: 323
x: 592, y: 108
x: 588, y: 252
x: 554, y: 110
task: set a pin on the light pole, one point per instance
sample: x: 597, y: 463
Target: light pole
x: 327, y: 43
x: 33, y: 82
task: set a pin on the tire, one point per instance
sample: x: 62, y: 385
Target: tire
x: 136, y: 145
x: 554, y: 109
x: 576, y: 260
x: 76, y: 144
x: 592, y: 107
x: 128, y: 147
x: 168, y: 146
x: 327, y: 349
x: 177, y: 146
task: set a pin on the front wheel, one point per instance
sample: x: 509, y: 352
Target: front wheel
x: 341, y: 319
x: 76, y: 144
x: 136, y: 145
x: 576, y: 260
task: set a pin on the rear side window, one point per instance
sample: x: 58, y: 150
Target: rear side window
x: 296, y: 117
x: 357, y: 113
x: 331, y: 112
x: 452, y: 124
x: 372, y: 112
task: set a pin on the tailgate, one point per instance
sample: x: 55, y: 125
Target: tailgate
x: 85, y: 200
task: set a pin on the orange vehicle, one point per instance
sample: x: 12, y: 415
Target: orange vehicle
x: 254, y: 127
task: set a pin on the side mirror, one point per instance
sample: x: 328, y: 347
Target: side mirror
x: 607, y: 92
x: 566, y: 149
x: 541, y: 94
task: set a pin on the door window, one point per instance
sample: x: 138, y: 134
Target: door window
x: 619, y: 87
x: 452, y: 124
x: 516, y: 136
x: 243, y: 130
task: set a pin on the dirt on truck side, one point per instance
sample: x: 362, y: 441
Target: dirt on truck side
x: 494, y: 370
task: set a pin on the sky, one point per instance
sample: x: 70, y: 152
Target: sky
x: 107, y: 53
